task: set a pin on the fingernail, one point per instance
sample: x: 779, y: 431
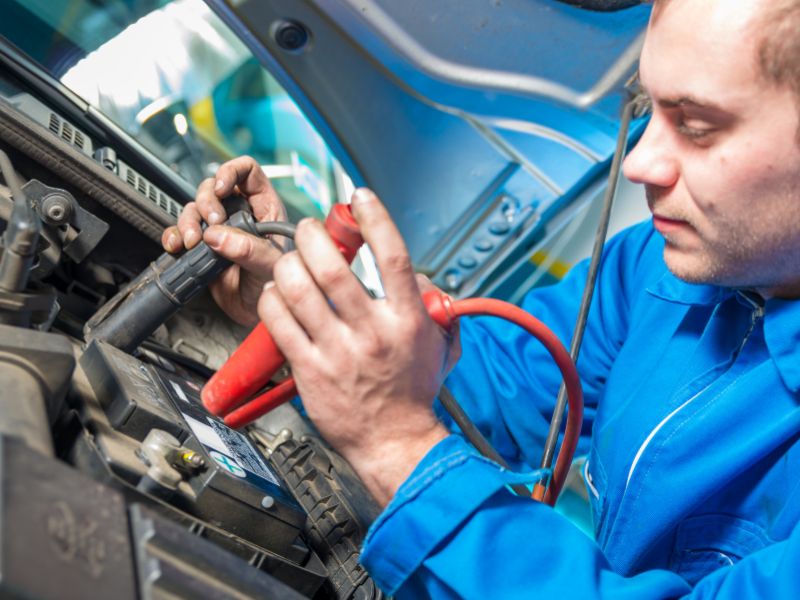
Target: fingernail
x: 172, y: 242
x: 191, y: 238
x: 214, y: 236
x: 362, y: 196
x: 214, y: 218
x: 219, y: 184
x: 269, y: 285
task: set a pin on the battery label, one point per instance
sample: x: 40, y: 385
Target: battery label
x: 227, y: 463
x: 231, y: 450
x: 240, y: 447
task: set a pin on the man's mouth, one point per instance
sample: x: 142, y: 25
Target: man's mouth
x: 665, y: 225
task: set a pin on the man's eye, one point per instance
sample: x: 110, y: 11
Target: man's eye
x: 693, y: 132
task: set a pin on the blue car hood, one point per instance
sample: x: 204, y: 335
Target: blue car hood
x: 479, y: 123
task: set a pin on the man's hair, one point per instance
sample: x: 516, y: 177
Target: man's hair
x: 779, y: 49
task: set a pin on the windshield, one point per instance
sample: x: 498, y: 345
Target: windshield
x: 173, y: 75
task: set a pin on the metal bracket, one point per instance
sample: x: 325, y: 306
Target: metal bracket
x: 79, y: 230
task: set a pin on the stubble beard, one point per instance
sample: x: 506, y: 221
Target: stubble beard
x: 762, y: 251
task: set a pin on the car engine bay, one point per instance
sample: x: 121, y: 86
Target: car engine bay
x: 116, y: 482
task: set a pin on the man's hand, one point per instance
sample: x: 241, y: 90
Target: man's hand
x: 237, y: 290
x: 367, y: 370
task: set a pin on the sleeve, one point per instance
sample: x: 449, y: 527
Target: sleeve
x: 506, y: 381
x: 467, y: 536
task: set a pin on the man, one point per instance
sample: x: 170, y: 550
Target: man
x: 689, y: 363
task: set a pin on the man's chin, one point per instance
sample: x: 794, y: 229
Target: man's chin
x: 689, y: 267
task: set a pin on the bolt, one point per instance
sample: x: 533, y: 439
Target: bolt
x: 193, y: 459
x: 267, y: 502
x: 452, y: 280
x: 290, y: 35
x: 56, y: 209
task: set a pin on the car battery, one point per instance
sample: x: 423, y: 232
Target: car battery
x: 130, y: 397
x: 236, y: 489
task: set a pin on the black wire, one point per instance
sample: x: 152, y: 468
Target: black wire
x: 474, y: 435
x: 445, y: 396
x: 175, y: 356
x: 277, y: 228
x: 591, y: 280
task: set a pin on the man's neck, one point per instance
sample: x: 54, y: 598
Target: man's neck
x: 785, y: 292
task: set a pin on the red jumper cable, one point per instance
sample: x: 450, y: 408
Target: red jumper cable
x: 257, y: 360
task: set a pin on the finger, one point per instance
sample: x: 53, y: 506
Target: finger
x: 251, y: 252
x: 425, y: 284
x: 330, y: 270
x: 208, y: 204
x: 304, y: 299
x: 238, y: 303
x: 387, y: 246
x: 189, y: 225
x: 245, y: 174
x: 453, y: 335
x: 171, y: 240
x: 279, y: 321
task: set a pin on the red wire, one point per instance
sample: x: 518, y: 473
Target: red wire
x: 514, y: 314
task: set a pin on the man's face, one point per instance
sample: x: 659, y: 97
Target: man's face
x: 720, y: 158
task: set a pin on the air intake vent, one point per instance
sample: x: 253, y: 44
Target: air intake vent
x: 40, y: 113
x: 148, y: 190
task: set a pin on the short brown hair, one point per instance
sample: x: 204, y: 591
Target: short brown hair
x: 779, y: 50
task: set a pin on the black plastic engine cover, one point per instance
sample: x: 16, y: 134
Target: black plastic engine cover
x: 62, y: 535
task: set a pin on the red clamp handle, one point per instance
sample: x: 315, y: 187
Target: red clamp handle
x: 257, y: 359
x: 440, y: 308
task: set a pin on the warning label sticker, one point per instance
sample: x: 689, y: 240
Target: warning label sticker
x: 240, y: 447
x: 227, y: 463
x: 231, y: 450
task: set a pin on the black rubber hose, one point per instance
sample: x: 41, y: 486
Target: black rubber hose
x: 21, y: 236
x: 591, y: 279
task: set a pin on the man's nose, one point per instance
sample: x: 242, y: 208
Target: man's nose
x: 652, y: 161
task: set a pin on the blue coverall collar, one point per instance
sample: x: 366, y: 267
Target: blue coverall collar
x: 782, y: 334
x: 781, y: 320
x: 672, y: 289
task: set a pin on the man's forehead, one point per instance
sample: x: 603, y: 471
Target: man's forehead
x: 701, y: 51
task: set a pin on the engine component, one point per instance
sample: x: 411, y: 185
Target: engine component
x: 19, y: 251
x: 230, y: 491
x: 173, y: 563
x: 133, y: 402
x: 217, y: 475
x: 35, y: 369
x: 80, y: 231
x: 238, y: 480
x: 169, y: 285
x: 167, y: 462
x: 56, y: 519
x: 337, y: 519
